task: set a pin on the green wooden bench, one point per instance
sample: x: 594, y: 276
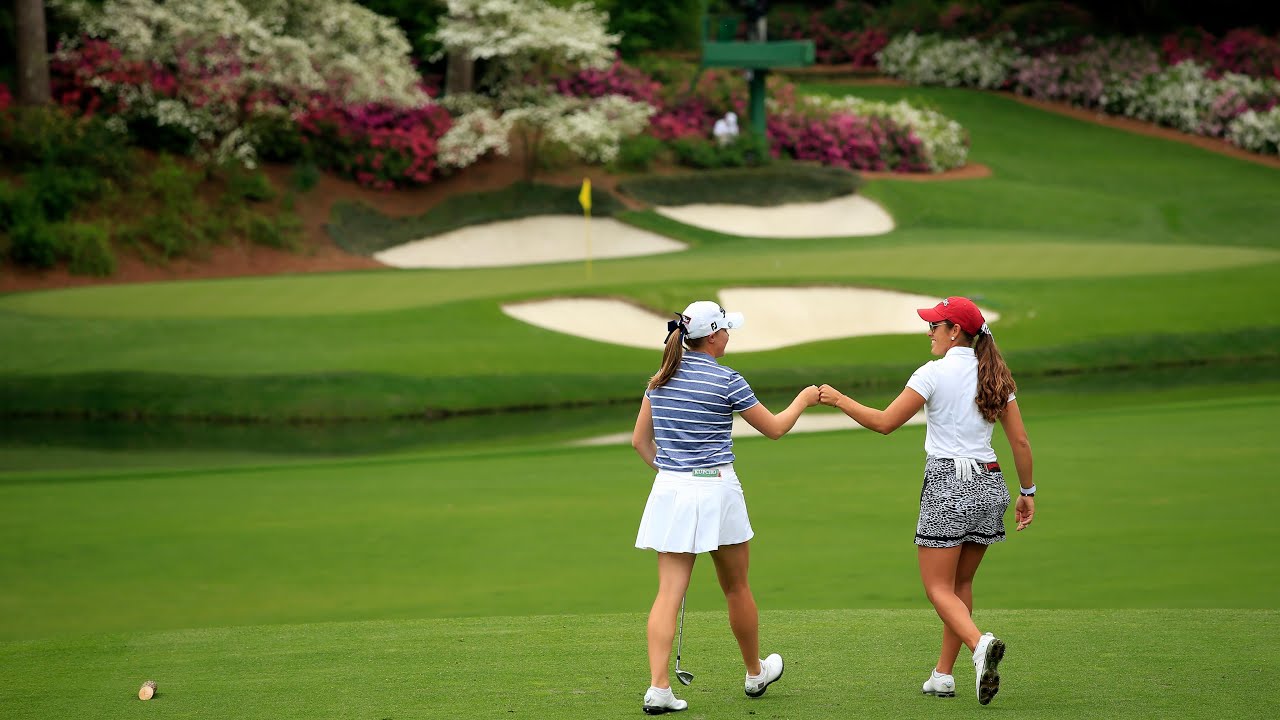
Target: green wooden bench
x: 721, y: 49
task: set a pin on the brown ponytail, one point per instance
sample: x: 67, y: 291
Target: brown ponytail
x: 995, y: 382
x: 672, y: 354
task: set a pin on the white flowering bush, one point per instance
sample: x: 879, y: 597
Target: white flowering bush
x: 212, y: 65
x: 1256, y: 131
x: 935, y: 60
x: 526, y: 45
x: 1185, y: 97
x: 594, y: 130
x: 473, y: 135
x: 527, y: 33
x: 1117, y: 76
x: 945, y: 141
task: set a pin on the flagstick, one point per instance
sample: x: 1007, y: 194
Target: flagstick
x: 584, y: 199
x: 587, y: 218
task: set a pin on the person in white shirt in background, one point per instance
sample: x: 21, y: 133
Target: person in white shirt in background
x: 684, y: 432
x: 725, y: 129
x: 964, y: 498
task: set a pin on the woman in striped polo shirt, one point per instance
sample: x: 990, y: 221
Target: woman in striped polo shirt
x: 696, y: 505
x: 964, y: 498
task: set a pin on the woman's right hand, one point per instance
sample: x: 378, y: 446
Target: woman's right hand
x: 828, y: 395
x: 1024, y: 511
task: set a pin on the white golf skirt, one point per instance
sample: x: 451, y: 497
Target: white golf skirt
x: 694, y: 513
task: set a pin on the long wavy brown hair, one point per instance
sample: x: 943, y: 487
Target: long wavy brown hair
x: 995, y: 381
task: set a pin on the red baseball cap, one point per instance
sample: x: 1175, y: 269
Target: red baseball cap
x: 958, y: 310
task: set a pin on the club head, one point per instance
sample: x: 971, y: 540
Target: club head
x: 684, y: 676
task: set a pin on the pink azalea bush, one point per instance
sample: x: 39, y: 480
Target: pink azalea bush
x: 849, y: 141
x: 1240, y: 51
x: 838, y: 33
x: 1084, y: 78
x: 376, y: 145
x: 5, y: 98
x: 679, y: 111
x: 811, y: 132
x: 96, y: 78
x: 618, y: 79
x: 379, y: 146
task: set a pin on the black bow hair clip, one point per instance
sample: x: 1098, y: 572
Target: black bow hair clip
x: 674, y: 325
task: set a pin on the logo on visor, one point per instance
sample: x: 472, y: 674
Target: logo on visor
x: 714, y: 326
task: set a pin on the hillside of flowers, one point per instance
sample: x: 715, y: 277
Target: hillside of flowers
x: 222, y: 83
x: 214, y: 89
x: 1214, y: 90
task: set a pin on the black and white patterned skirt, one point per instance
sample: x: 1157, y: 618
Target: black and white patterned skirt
x: 960, y: 507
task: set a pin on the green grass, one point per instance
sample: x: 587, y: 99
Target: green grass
x: 1128, y: 518
x: 479, y: 567
x: 842, y: 663
x: 772, y: 185
x: 359, y: 229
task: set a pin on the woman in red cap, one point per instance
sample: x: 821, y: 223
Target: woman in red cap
x: 964, y: 497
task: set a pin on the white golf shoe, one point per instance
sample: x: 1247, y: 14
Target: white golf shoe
x: 986, y: 658
x: 770, y: 672
x: 940, y: 685
x: 658, y: 701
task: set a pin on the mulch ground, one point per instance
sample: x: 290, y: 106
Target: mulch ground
x: 320, y: 254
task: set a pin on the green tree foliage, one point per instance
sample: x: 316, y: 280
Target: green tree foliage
x: 654, y: 24
x: 419, y: 20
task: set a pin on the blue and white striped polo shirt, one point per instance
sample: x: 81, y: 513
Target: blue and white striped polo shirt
x: 693, y: 413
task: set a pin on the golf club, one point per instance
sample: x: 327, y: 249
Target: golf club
x: 684, y: 676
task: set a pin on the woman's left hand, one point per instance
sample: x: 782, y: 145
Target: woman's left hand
x: 828, y: 395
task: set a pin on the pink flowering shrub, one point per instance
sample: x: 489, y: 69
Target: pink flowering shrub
x: 5, y: 98
x: 618, y: 79
x: 846, y: 140
x: 1241, y: 51
x: 687, y: 111
x: 375, y: 145
x: 91, y: 78
x: 1085, y: 77
x: 692, y: 118
x: 839, y: 33
x: 681, y: 111
x: 378, y: 146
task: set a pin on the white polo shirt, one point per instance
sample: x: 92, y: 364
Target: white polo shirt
x: 949, y: 387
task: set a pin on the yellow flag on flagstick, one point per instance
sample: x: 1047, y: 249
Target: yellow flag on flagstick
x: 584, y: 199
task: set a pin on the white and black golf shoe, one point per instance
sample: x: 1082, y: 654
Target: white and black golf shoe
x: 661, y: 700
x: 770, y: 672
x: 986, y: 658
x: 939, y: 685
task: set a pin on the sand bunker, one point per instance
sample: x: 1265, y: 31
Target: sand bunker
x: 850, y: 215
x: 776, y: 317
x: 564, y: 238
x: 528, y: 241
x: 809, y: 422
